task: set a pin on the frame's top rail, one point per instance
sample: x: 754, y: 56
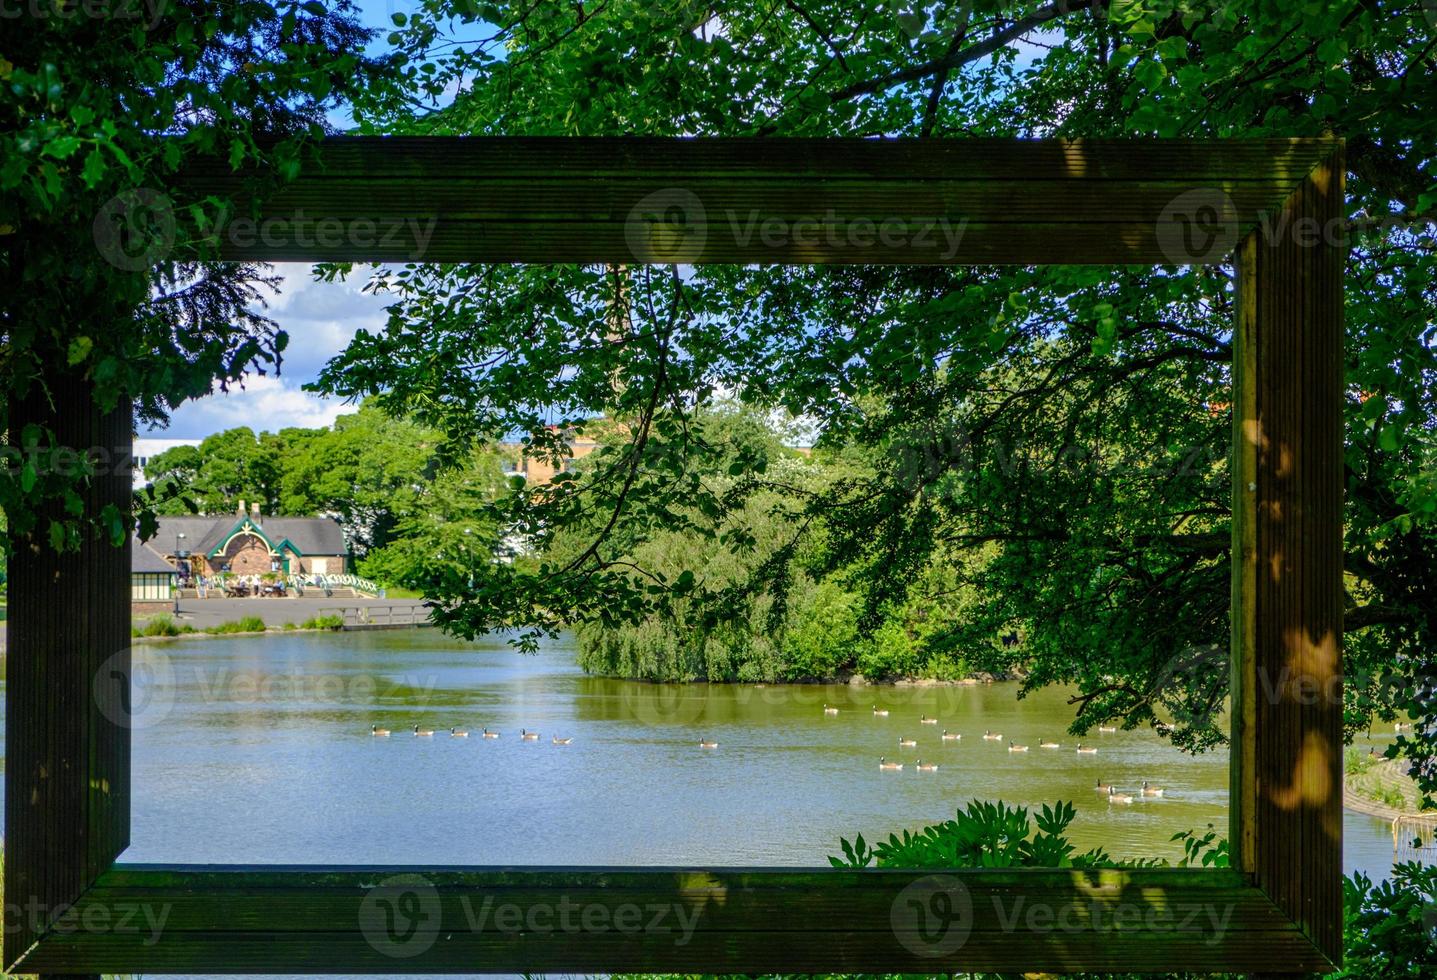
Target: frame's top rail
x: 844, y: 201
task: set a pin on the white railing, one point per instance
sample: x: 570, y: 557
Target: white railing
x: 327, y: 583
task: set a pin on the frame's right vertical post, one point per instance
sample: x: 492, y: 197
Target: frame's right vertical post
x: 1288, y: 480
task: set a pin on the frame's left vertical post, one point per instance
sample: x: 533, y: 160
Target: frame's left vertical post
x: 67, y: 767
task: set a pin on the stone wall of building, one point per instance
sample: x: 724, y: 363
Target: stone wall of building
x: 247, y: 555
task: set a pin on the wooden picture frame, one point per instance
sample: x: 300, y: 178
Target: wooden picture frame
x: 1276, y: 205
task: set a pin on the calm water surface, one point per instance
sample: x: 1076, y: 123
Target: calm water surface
x: 257, y: 751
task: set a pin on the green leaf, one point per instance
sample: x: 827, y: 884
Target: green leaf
x: 94, y: 169
x: 1389, y: 439
x: 1333, y: 51
x: 62, y: 147
x: 79, y: 349
x: 1150, y: 73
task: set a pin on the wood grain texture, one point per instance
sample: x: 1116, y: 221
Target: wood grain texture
x: 1042, y: 202
x: 1288, y: 542
x: 67, y: 766
x: 837, y: 201
x: 705, y: 920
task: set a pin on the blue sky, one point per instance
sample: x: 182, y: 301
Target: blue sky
x: 320, y: 318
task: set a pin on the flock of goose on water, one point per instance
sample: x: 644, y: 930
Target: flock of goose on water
x: 524, y: 734
x: 1108, y: 789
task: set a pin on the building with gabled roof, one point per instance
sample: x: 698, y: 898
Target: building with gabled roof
x: 249, y: 543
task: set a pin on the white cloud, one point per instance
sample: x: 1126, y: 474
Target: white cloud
x: 264, y: 404
x: 321, y: 318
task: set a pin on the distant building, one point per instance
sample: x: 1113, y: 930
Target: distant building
x: 144, y: 449
x: 539, y: 471
x: 152, y: 579
x: 248, y: 543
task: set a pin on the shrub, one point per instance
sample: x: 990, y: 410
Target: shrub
x: 1390, y: 930
x: 249, y: 624
x: 161, y: 624
x: 333, y: 621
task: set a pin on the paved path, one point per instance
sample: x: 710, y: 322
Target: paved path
x: 200, y: 613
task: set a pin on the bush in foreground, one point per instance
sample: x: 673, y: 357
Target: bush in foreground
x: 1390, y: 928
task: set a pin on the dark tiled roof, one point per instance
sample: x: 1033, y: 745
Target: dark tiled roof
x: 311, y: 535
x: 145, y: 559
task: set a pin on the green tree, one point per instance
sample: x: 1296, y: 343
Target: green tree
x: 102, y: 271
x: 1069, y: 419
x: 369, y: 469
x: 446, y: 533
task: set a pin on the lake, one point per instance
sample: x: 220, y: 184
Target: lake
x: 258, y: 750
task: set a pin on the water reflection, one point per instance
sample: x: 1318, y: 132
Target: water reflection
x: 258, y: 750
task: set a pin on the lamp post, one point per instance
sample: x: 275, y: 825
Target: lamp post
x: 180, y: 556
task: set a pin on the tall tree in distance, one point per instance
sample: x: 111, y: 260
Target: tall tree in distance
x: 1070, y: 421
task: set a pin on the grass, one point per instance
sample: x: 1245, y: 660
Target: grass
x: 162, y: 624
x: 249, y: 624
x: 1357, y: 762
x: 330, y: 622
x: 398, y: 593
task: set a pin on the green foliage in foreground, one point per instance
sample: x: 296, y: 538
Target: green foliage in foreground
x: 1388, y: 928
